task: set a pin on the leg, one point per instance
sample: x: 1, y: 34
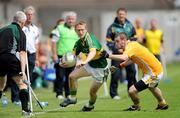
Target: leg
x: 133, y: 93
x: 31, y: 64
x: 66, y: 83
x: 73, y: 77
x: 93, y: 92
x: 93, y: 96
x: 59, y: 83
x: 3, y: 80
x: 23, y: 94
x: 14, y: 91
x: 158, y: 95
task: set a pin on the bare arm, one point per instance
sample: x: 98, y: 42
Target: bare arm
x: 23, y: 57
x: 125, y: 63
x: 90, y: 56
x: 122, y: 57
x: 54, y: 54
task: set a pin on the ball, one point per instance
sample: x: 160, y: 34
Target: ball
x: 69, y: 59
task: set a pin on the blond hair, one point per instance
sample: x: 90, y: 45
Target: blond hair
x: 81, y: 23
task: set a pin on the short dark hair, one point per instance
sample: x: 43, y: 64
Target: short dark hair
x: 121, y: 9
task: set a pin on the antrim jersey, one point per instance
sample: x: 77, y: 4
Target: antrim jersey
x: 143, y: 58
x: 83, y: 46
x: 153, y: 41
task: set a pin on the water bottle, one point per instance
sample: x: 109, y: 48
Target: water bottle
x: 43, y: 104
x: 4, y: 101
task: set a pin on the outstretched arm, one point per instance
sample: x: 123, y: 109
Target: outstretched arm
x: 122, y: 57
x: 125, y: 63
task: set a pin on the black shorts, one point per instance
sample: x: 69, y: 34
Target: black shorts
x: 9, y: 65
x: 140, y: 85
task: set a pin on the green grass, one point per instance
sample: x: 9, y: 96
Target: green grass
x: 106, y: 107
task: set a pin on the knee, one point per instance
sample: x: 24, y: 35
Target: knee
x: 22, y: 85
x: 72, y: 77
x: 132, y: 90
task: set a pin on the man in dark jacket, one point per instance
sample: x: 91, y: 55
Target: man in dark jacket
x: 120, y: 24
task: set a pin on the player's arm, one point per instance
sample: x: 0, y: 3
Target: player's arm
x: 125, y: 63
x: 121, y: 57
x: 90, y: 56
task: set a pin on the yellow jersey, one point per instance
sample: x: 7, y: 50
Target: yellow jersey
x: 140, y: 34
x: 139, y: 31
x: 143, y: 58
x: 153, y: 41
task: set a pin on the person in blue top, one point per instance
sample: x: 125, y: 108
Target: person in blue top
x: 120, y: 24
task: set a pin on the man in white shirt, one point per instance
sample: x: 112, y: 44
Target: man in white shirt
x: 32, y: 34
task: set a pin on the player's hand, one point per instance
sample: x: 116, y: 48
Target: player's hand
x: 62, y: 63
x: 105, y: 54
x: 55, y: 58
x: 122, y: 65
x: 113, y: 69
x: 80, y: 64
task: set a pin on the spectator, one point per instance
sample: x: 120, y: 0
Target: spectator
x: 139, y: 31
x: 120, y: 24
x: 154, y: 39
x: 58, y: 22
x: 32, y: 35
x: 63, y: 40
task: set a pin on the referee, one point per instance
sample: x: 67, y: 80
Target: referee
x: 12, y: 57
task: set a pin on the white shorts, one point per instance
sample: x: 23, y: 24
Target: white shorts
x: 152, y: 81
x: 99, y: 74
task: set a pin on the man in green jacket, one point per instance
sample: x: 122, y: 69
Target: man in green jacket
x: 63, y: 40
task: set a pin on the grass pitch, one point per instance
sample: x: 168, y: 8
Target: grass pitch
x: 106, y: 107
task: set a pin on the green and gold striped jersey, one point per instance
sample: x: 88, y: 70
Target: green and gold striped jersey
x: 83, y: 46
